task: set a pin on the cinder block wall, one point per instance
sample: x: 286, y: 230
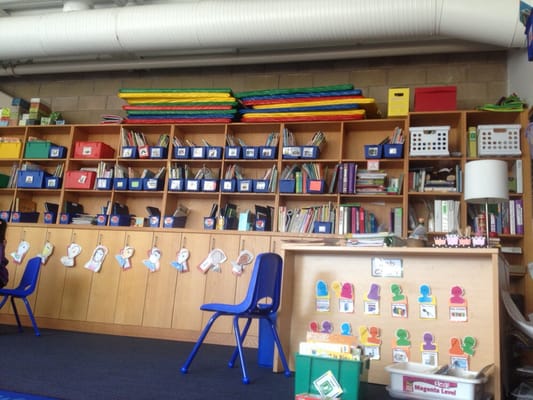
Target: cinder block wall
x: 82, y: 98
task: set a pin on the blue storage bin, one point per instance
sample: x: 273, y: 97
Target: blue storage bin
x: 104, y: 183
x: 393, y: 150
x: 129, y: 152
x: 209, y: 185
x: 101, y: 219
x: 120, y: 183
x: 174, y: 222
x: 228, y: 185
x: 182, y: 152
x: 152, y: 184
x: 292, y: 152
x: 57, y: 151
x: 65, y: 218
x: 176, y: 185
x: 268, y: 152
x: 310, y: 152
x: 214, y: 153
x: 135, y: 183
x: 17, y: 216
x: 250, y: 152
x: 209, y: 223
x: 50, y: 217
x: 31, y: 179
x: 287, y: 185
x: 52, y: 182
x: 158, y: 152
x: 5, y: 215
x: 232, y: 152
x: 119, y: 220
x: 193, y: 185
x: 198, y: 152
x: 260, y: 185
x: 244, y: 185
x: 322, y: 227
x: 315, y: 186
x: 373, y: 151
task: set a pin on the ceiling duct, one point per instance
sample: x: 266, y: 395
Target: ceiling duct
x: 183, y: 33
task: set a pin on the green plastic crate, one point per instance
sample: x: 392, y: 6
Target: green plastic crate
x: 347, y: 373
x: 4, y: 180
x: 37, y: 149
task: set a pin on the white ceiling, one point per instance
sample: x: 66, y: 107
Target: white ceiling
x: 55, y: 36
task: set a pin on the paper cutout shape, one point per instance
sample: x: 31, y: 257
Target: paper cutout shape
x: 371, y: 300
x: 123, y: 258
x: 98, y: 257
x: 324, y: 327
x: 245, y: 257
x: 457, y: 295
x: 401, y: 346
x: 213, y: 261
x: 46, y: 252
x: 313, y: 326
x: 427, y: 303
x: 428, y: 350
x: 346, y: 329
x: 402, y: 337
x: 468, y: 345
x: 370, y: 341
x: 181, y: 260
x: 21, y: 251
x: 428, y: 344
x: 322, y: 296
x: 399, y: 307
x: 397, y: 294
x: 458, y: 310
x: 152, y: 262
x: 73, y: 251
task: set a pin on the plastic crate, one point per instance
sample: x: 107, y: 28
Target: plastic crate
x: 429, y: 141
x: 499, y: 140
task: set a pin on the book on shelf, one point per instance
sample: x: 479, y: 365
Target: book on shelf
x: 516, y: 177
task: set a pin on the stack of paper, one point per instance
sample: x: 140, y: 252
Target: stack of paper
x: 337, y: 102
x: 167, y: 106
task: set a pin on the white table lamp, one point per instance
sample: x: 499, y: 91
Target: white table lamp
x: 486, y: 181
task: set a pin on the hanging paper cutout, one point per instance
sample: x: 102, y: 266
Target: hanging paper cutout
x: 322, y: 296
x: 123, y: 258
x: 370, y: 341
x: 429, y: 350
x: 324, y: 327
x: 213, y: 261
x: 245, y: 257
x: 22, y: 249
x: 460, y: 352
x: 98, y: 257
x: 346, y: 329
x: 399, y: 302
x: 458, y: 305
x: 181, y: 260
x: 401, y: 346
x: 371, y: 300
x: 152, y: 262
x: 427, y: 303
x: 73, y: 251
x: 345, y: 293
x: 46, y: 252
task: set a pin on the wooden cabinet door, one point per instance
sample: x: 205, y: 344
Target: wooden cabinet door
x: 104, y: 289
x: 132, y: 284
x: 161, y: 288
x: 52, y: 276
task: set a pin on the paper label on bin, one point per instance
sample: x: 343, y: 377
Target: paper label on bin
x: 428, y: 386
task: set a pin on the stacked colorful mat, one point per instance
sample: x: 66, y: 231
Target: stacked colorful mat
x: 168, y: 106
x: 337, y: 102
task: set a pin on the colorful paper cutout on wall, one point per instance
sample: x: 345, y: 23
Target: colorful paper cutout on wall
x: 324, y: 327
x: 123, y: 258
x: 73, y: 251
x: 345, y: 293
x: 427, y: 303
x: 401, y: 346
x: 429, y: 350
x: 245, y: 257
x: 46, y: 252
x: 458, y: 305
x: 322, y: 296
x: 180, y: 263
x: 21, y: 251
x: 399, y: 307
x: 370, y: 340
x: 346, y: 329
x: 460, y: 351
x: 97, y: 258
x: 154, y: 257
x: 371, y: 300
x: 213, y: 261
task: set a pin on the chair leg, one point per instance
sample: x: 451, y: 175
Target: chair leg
x: 32, y: 318
x: 15, y: 311
x: 236, y: 329
x: 199, y: 342
x: 243, y: 336
x: 4, y: 300
x: 280, y: 349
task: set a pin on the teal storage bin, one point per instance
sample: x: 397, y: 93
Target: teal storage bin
x: 347, y: 373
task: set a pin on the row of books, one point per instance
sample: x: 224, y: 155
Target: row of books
x: 446, y: 215
x: 351, y: 179
x: 428, y: 179
x: 301, y: 220
x: 353, y: 218
x: 506, y: 218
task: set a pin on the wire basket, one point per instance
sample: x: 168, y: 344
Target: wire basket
x: 429, y: 141
x: 501, y: 140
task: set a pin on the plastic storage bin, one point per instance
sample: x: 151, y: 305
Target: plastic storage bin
x: 435, y: 98
x: 93, y: 150
x: 419, y: 381
x: 309, y: 368
x: 10, y: 150
x: 498, y: 140
x: 429, y: 141
x: 37, y: 149
x: 80, y: 179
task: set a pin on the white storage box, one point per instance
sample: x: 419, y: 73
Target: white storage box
x: 418, y: 381
x: 498, y: 140
x: 429, y: 141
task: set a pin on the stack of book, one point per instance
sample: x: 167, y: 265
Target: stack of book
x: 371, y: 182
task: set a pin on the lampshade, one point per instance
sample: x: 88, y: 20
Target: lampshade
x: 486, y: 181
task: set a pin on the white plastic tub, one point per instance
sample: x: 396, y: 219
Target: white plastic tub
x: 418, y: 381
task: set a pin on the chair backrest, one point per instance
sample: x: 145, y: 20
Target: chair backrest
x: 31, y: 274
x: 264, y: 291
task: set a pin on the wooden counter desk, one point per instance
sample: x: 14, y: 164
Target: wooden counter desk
x: 475, y: 271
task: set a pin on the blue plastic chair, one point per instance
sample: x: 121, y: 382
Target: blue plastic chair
x: 25, y: 288
x: 261, y: 302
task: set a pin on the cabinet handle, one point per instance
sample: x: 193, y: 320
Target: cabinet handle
x: 242, y: 244
x: 213, y: 243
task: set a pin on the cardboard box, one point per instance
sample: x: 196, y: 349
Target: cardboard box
x: 436, y: 98
x: 398, y: 102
